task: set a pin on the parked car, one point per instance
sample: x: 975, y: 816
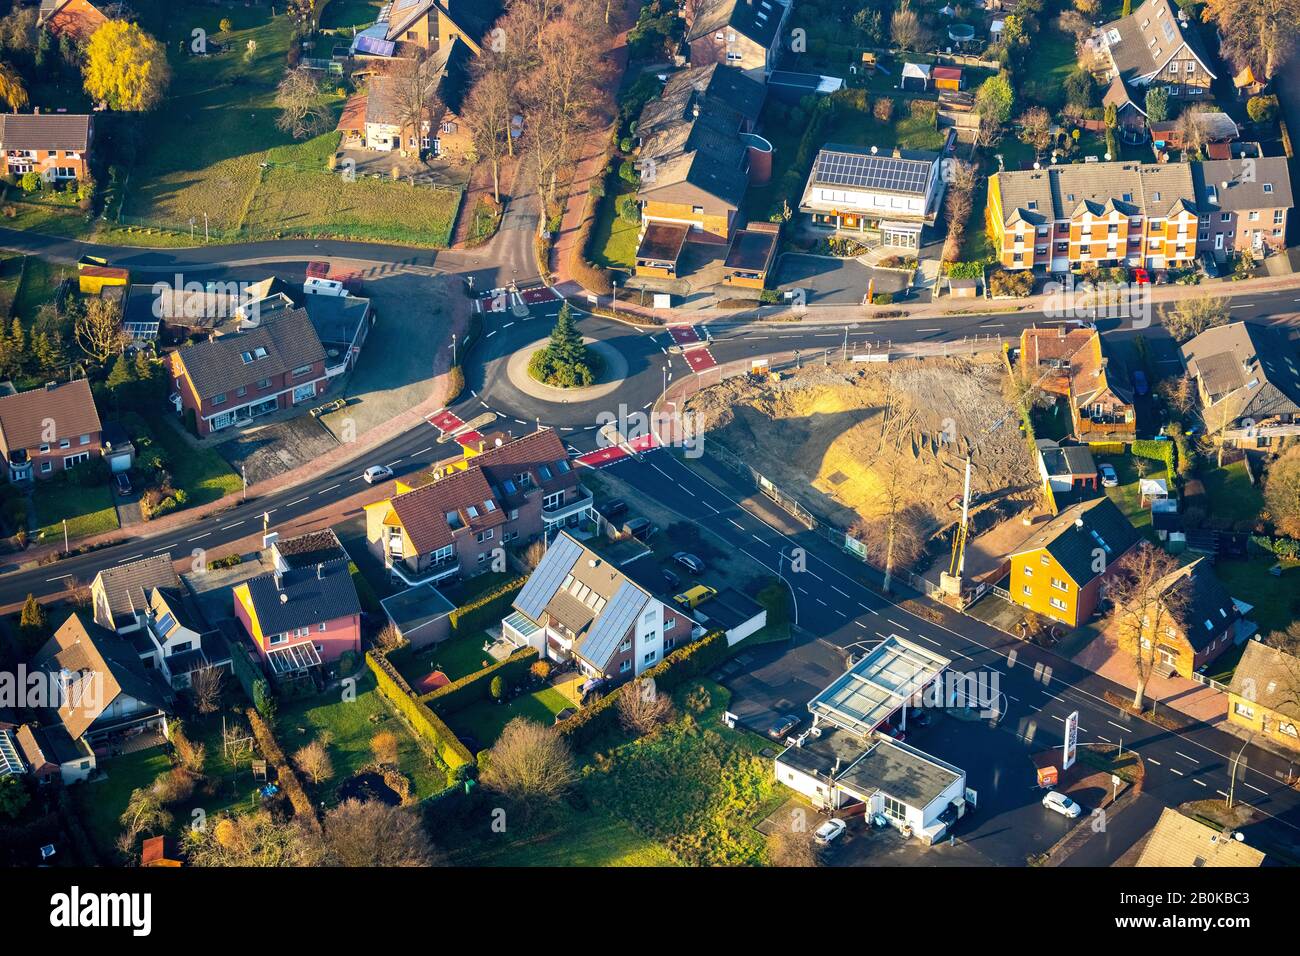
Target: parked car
x: 122, y: 482
x: 1109, y: 479
x: 828, y: 831
x: 377, y: 473
x: 671, y: 578
x: 689, y: 561
x: 782, y: 726
x: 1060, y: 803
x: 1141, y: 277
x: 613, y: 509
x: 694, y: 597
x: 639, y: 528
x: 1140, y: 382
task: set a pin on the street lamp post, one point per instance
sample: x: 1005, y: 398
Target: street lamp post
x: 243, y: 473
x: 65, y: 536
x: 613, y: 299
x: 453, y: 349
x: 1232, y: 784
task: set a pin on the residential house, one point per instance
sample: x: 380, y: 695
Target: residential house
x: 1156, y: 45
x: 1248, y: 382
x: 1094, y: 214
x: 342, y: 322
x: 1178, y: 840
x: 858, y: 190
x: 105, y: 694
x: 434, y: 24
x: 697, y: 155
x: 1243, y: 205
x: 56, y: 145
x: 1217, y: 128
x: 75, y: 19
x: 1059, y: 571
x: 45, y: 431
x: 1198, y: 620
x: 51, y: 754
x: 578, y: 606
x: 301, y: 616
x: 176, y: 640
x: 1264, y: 696
x: 744, y: 34
x: 1081, y: 366
x: 236, y: 378
x: 381, y: 124
x: 502, y: 491
x: 120, y: 595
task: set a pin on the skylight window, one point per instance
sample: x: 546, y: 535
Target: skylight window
x: 471, y: 511
x: 489, y: 506
x: 453, y: 519
x: 165, y: 624
x: 1268, y: 187
x: 509, y: 486
x: 544, y: 472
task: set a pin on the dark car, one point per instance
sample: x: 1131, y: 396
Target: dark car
x: 671, y: 579
x: 1140, y: 382
x: 639, y: 528
x: 689, y: 561
x: 123, y: 483
x: 782, y: 726
x: 614, y: 509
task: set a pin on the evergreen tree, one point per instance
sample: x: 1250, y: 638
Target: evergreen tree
x: 18, y: 344
x: 33, y: 624
x: 121, y: 376
x: 566, y: 342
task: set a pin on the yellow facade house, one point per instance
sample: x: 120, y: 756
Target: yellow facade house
x: 1265, y: 694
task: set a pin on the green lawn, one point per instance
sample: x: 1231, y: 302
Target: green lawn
x: 1126, y: 495
x: 201, y: 472
x: 40, y: 279
x: 87, y: 510
x: 613, y: 240
x: 349, y: 727
x: 11, y: 268
x: 103, y: 801
x: 456, y: 657
x: 593, y: 837
x: 1051, y: 59
x: 349, y: 13
x: 484, y: 721
x: 1231, y: 498
x: 1276, y: 599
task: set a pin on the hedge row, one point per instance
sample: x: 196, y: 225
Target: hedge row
x: 632, y: 318
x: 1162, y: 451
x: 421, y: 719
x: 285, y: 776
x: 477, y: 686
x: 590, y: 276
x: 678, y: 667
x: 246, y: 672
x: 1287, y: 548
x: 486, y: 608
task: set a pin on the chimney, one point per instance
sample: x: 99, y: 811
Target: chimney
x: 695, y: 110
x: 51, y: 386
x: 284, y: 598
x: 279, y: 585
x: 320, y: 571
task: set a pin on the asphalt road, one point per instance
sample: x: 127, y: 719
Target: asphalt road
x: 1039, y: 690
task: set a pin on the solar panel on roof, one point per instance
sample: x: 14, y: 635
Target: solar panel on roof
x: 545, y: 580
x: 872, y: 172
x: 375, y: 46
x: 613, y: 622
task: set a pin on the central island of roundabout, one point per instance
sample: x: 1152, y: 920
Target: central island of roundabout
x: 567, y: 366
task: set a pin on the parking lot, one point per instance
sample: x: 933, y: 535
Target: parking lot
x: 829, y: 281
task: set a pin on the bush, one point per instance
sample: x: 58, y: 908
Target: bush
x: 1261, y: 109
x: 423, y: 721
x: 476, y: 687
x: 1285, y: 548
x: 629, y: 209
x: 284, y: 774
x: 486, y: 608
x: 884, y: 109
x: 497, y: 688
x: 1016, y: 284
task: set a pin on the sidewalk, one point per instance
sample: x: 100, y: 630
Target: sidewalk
x: 479, y: 188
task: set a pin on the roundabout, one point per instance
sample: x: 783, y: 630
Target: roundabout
x: 613, y: 372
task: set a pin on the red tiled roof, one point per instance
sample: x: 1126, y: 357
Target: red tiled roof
x: 423, y: 511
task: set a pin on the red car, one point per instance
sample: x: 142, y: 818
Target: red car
x: 1141, y: 277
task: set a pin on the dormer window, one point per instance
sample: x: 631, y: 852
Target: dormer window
x: 1033, y: 204
x: 1268, y: 187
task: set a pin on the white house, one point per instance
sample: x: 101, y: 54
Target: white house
x: 893, y: 194
x: 580, y: 606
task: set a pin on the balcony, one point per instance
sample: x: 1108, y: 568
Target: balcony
x: 578, y: 506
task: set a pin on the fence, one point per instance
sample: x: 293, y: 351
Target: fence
x: 787, y: 503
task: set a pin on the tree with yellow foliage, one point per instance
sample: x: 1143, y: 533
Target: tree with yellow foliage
x: 12, y: 90
x: 125, y: 67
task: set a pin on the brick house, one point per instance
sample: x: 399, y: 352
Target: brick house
x: 433, y: 24
x: 56, y: 145
x: 1247, y: 381
x: 77, y: 19
x: 578, y: 606
x: 1083, y: 368
x: 45, y: 431
x: 502, y: 491
x: 1156, y: 45
x: 697, y: 154
x: 1059, y: 571
x: 744, y: 34
x: 1198, y: 621
x: 375, y: 116
x: 235, y: 378
x: 1243, y: 205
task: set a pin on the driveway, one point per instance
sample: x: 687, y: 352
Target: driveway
x: 273, y: 449
x: 777, y: 679
x: 830, y: 281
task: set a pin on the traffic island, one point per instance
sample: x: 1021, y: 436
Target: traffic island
x: 613, y: 371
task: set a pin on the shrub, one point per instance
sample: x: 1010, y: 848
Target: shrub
x: 629, y: 210
x: 486, y: 608
x: 883, y: 298
x: 422, y: 720
x: 1016, y: 284
x: 476, y: 687
x: 884, y: 109
x: 497, y: 688
x: 1261, y: 109
x: 285, y: 775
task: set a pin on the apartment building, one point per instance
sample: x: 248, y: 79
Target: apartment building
x: 894, y: 194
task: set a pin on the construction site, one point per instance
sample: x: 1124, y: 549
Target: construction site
x: 855, y: 441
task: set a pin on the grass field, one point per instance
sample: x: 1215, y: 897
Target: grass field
x: 1051, y: 59
x: 594, y: 837
x: 458, y: 657
x: 349, y: 727
x: 87, y: 510
x: 1126, y: 494
x: 11, y: 269
x: 1276, y: 599
x: 484, y: 721
x: 1231, y: 496
x: 39, y: 280
x: 613, y: 240
x: 201, y: 472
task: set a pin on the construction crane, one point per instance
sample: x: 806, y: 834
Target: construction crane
x: 958, y: 563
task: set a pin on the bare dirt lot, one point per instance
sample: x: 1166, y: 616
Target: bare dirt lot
x: 836, y: 437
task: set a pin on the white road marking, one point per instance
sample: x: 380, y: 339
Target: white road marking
x: 423, y: 450
x: 298, y: 502
x: 736, y: 523
x: 1176, y: 770
x: 1185, y: 757
x: 325, y: 490
x: 1119, y: 726
x: 227, y: 527
x: 1155, y: 761
x: 838, y: 591
x: 60, y: 577
x: 1197, y: 782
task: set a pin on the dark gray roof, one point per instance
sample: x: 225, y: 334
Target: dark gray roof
x: 1148, y: 38
x: 126, y: 587
x: 867, y: 766
x: 1066, y: 459
x: 1262, y: 183
x: 1254, y: 368
x: 1201, y: 599
x: 1073, y: 535
x: 305, y: 597
x: 757, y: 19
x: 899, y: 171
x: 44, y: 131
x: 336, y: 318
x: 290, y: 342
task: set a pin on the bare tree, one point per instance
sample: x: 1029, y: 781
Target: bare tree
x: 389, y: 638
x: 1258, y: 33
x: 414, y: 95
x: 144, y: 813
x: 314, y: 761
x: 529, y: 762
x: 641, y: 708
x: 489, y: 111
x: 1193, y: 131
x: 375, y: 834
x: 302, y: 114
x: 384, y: 746
x: 905, y: 28
x: 1144, y: 606
x: 205, y: 685
x: 1036, y: 129
x: 896, y: 534
x: 1282, y: 491
x: 253, y: 839
x: 1188, y: 318
x: 99, y: 332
